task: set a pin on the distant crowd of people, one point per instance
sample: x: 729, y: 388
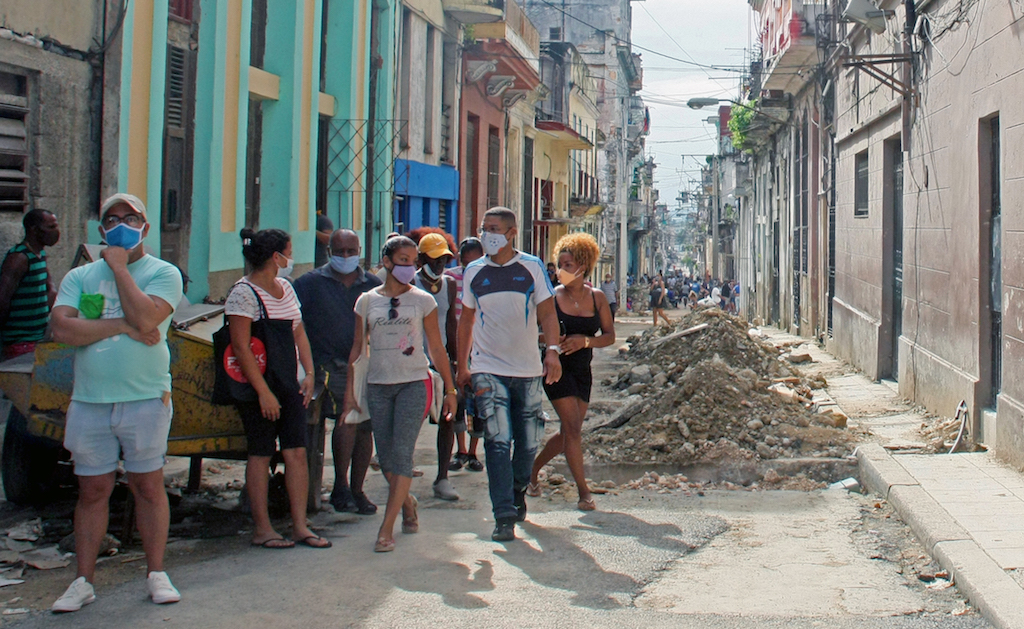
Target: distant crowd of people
x: 678, y: 288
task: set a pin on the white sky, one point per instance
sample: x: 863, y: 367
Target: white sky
x: 708, y: 32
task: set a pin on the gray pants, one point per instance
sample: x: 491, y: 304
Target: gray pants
x: 396, y: 414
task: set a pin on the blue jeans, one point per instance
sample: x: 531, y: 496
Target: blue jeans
x: 509, y: 410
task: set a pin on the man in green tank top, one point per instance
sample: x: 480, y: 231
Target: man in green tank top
x: 26, y: 286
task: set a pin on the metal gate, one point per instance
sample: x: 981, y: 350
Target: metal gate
x: 360, y: 176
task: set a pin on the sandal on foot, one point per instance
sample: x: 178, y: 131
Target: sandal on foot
x: 384, y: 545
x: 274, y: 543
x: 533, y: 490
x: 411, y: 525
x: 309, y: 541
x: 587, y: 505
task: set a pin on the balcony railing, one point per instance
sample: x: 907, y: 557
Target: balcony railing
x: 475, y: 11
x: 515, y: 28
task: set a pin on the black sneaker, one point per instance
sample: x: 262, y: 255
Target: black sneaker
x: 504, y: 530
x: 363, y: 504
x: 456, y: 463
x: 343, y: 501
x: 473, y: 464
x: 520, y: 502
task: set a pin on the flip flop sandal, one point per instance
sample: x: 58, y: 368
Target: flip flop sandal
x: 274, y: 543
x: 533, y: 490
x: 587, y: 505
x: 384, y: 545
x: 411, y: 525
x: 308, y: 542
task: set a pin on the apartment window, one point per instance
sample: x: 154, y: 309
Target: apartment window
x: 14, y: 176
x: 258, y: 34
x: 181, y: 9
x: 860, y: 186
x: 405, y: 79
x: 428, y: 96
x: 493, y: 166
x: 555, y: 34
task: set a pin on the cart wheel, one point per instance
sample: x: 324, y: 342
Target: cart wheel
x: 28, y: 464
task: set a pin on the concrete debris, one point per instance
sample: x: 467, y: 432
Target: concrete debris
x: 26, y: 531
x: 15, y: 611
x: 45, y: 559
x: 5, y: 582
x: 707, y: 386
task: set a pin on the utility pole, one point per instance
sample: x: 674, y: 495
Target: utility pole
x: 622, y: 195
x: 715, y: 214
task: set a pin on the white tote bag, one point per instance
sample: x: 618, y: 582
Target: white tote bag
x: 360, y: 369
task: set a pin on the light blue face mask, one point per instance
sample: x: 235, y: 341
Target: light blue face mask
x: 344, y: 264
x: 124, y: 236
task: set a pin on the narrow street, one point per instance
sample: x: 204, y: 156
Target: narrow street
x: 716, y: 558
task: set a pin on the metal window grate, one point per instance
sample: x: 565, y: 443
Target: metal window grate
x: 176, y: 62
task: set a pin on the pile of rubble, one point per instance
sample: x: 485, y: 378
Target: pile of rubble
x: 708, y: 385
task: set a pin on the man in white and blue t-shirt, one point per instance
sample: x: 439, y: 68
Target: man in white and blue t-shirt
x: 505, y: 293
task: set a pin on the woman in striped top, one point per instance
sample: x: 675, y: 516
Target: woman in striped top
x: 26, y: 288
x: 279, y: 412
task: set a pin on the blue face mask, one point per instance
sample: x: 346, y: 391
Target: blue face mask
x: 124, y: 236
x: 344, y: 264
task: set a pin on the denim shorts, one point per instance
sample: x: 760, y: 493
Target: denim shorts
x: 96, y: 434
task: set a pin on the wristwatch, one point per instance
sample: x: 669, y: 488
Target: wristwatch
x: 586, y: 341
x: 557, y: 349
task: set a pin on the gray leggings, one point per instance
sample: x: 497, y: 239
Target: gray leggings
x: 396, y: 414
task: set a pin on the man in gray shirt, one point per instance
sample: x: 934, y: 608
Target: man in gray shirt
x: 611, y: 292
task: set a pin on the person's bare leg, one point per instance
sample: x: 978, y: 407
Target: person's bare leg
x: 296, y: 479
x: 572, y: 438
x: 445, y: 441
x: 362, y: 452
x: 152, y: 514
x: 257, y: 484
x: 398, y: 502
x: 551, y: 449
x: 460, y: 441
x: 473, y: 442
x: 343, y: 443
x: 91, y: 518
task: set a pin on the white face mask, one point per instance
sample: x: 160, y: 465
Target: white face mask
x: 286, y: 270
x: 493, y: 243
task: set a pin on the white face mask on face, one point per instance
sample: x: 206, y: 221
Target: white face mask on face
x: 493, y: 243
x: 286, y: 270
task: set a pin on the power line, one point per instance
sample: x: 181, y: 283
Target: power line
x: 638, y: 47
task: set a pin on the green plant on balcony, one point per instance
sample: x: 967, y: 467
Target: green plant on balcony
x: 740, y: 119
x: 468, y: 35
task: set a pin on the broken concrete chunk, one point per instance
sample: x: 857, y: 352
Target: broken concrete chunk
x: 641, y: 374
x: 801, y: 358
x: 26, y: 531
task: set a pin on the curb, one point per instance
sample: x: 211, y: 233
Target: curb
x: 987, y: 586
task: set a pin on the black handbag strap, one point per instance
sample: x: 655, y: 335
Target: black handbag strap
x: 263, y: 309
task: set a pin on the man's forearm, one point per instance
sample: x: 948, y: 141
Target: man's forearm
x: 78, y: 332
x: 465, y: 342
x: 139, y: 309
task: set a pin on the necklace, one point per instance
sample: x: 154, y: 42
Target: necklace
x: 434, y: 285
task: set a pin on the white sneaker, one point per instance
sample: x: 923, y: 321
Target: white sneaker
x: 161, y: 590
x: 79, y: 593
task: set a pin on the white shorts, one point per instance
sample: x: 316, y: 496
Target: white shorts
x: 98, y: 435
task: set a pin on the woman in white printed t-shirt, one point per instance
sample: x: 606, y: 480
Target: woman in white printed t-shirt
x: 397, y: 317
x: 279, y: 412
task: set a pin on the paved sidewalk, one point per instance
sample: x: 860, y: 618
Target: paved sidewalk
x: 966, y: 509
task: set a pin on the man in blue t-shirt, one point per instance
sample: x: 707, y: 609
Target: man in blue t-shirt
x: 505, y: 293
x: 116, y: 312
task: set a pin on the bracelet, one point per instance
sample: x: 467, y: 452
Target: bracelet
x: 452, y: 391
x: 555, y: 348
x: 586, y: 341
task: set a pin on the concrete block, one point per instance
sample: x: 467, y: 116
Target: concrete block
x: 999, y: 598
x: 879, y: 472
x: 930, y: 523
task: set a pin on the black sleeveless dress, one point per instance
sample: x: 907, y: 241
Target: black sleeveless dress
x: 576, y: 376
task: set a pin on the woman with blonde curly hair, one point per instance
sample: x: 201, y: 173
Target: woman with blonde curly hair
x: 583, y: 311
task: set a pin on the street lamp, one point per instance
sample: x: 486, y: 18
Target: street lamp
x: 700, y: 103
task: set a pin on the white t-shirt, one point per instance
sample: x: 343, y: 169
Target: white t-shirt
x: 395, y: 334
x: 505, y: 298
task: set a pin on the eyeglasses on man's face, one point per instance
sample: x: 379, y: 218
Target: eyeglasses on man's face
x: 131, y: 220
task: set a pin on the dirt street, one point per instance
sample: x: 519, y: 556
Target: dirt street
x: 683, y: 553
